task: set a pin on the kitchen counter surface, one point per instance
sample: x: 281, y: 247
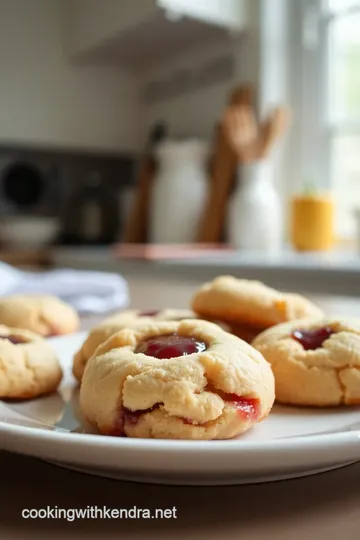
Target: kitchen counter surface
x: 321, y: 507
x: 338, y: 273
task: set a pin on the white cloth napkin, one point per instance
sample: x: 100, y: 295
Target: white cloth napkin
x: 87, y: 291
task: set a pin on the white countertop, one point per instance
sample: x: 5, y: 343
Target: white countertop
x: 286, y: 259
x: 337, y: 260
x: 336, y: 272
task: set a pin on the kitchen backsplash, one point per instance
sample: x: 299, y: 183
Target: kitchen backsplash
x: 37, y: 182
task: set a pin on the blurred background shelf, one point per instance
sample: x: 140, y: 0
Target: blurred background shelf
x: 134, y: 34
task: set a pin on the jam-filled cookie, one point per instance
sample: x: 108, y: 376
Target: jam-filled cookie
x: 125, y: 319
x: 249, y: 306
x: 45, y: 315
x: 28, y: 365
x: 176, y: 380
x: 316, y: 362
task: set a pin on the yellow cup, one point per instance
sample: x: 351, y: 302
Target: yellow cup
x: 312, y: 223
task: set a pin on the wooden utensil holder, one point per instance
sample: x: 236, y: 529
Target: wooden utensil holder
x: 222, y: 172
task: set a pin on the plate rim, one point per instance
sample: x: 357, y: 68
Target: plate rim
x: 313, y: 442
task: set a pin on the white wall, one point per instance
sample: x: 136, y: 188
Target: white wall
x: 46, y: 101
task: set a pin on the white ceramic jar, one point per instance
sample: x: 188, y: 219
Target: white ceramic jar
x: 255, y: 217
x: 179, y: 191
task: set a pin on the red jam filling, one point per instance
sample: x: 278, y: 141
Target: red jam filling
x: 15, y: 340
x: 148, y: 313
x: 171, y: 346
x: 312, y: 339
x: 247, y: 407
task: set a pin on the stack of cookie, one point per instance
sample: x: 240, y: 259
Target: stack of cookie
x: 28, y: 364
x: 243, y: 342
x: 209, y: 372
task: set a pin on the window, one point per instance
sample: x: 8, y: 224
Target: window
x: 331, y: 96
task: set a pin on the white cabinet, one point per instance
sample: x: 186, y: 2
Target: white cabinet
x: 228, y: 14
x: 138, y: 32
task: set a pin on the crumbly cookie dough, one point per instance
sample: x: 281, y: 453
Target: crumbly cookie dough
x: 213, y: 393
x: 28, y: 365
x: 252, y: 303
x: 326, y: 375
x: 115, y: 323
x: 45, y: 315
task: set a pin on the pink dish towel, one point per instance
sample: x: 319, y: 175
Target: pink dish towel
x: 89, y: 292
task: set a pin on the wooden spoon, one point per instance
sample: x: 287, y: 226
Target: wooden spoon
x: 223, y: 172
x: 241, y: 130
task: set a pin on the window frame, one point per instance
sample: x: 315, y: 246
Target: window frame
x: 318, y: 128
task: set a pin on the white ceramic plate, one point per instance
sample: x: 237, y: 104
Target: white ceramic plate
x: 292, y: 442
